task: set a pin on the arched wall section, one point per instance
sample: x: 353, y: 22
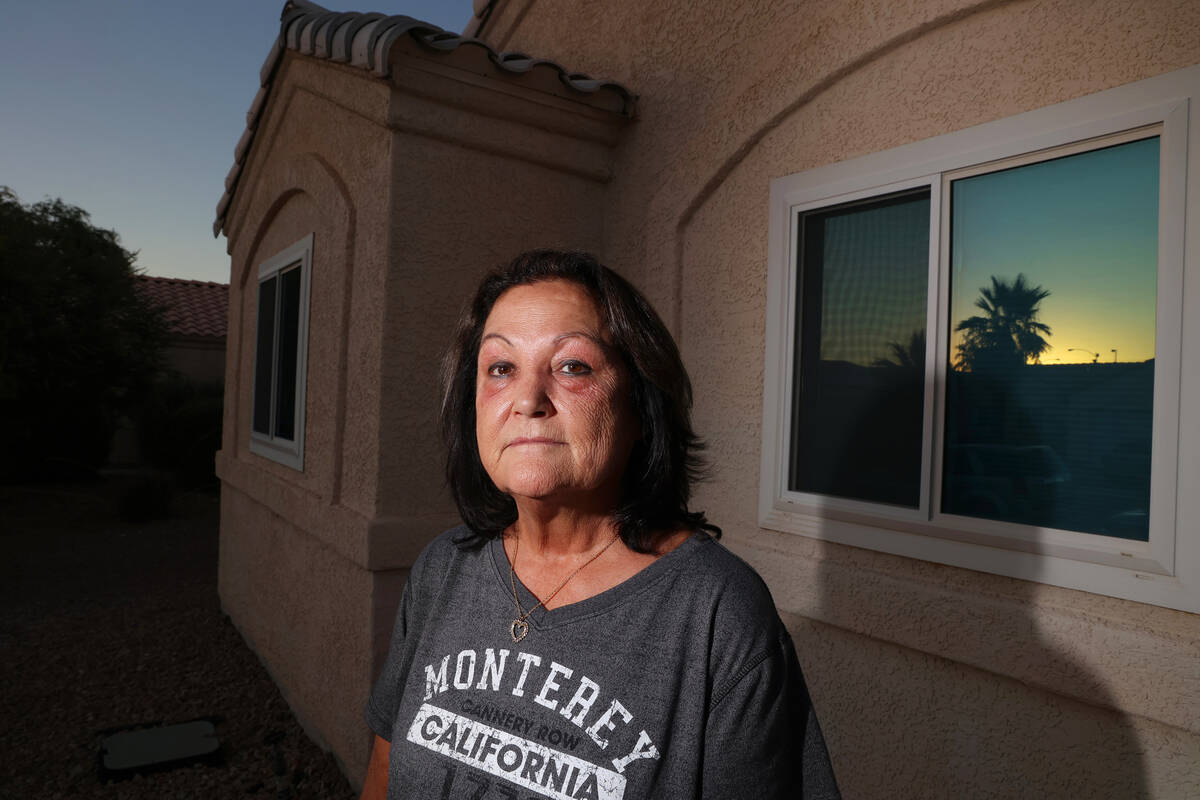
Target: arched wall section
x: 714, y: 78
x: 313, y: 200
x: 323, y: 136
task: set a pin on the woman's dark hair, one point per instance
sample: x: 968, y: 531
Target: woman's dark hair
x: 663, y: 464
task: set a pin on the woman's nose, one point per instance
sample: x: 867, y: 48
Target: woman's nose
x: 532, y: 399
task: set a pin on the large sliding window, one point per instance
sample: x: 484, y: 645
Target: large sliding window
x: 975, y: 347
x: 280, y: 355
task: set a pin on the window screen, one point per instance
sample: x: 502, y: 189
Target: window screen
x: 860, y: 349
x: 264, y: 355
x: 289, y: 331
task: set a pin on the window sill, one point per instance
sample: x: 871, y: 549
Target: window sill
x: 281, y: 452
x: 1127, y: 575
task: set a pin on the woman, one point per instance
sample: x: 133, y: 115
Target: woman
x: 583, y: 635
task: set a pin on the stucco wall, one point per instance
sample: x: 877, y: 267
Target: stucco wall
x: 479, y: 172
x: 293, y: 573
x: 317, y: 168
x: 199, y: 360
x: 931, y: 681
x: 412, y: 187
x: 462, y: 203
x: 304, y: 610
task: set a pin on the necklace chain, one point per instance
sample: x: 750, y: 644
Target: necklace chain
x: 520, y: 627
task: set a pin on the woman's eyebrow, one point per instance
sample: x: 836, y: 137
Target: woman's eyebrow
x: 559, y: 339
x: 591, y: 337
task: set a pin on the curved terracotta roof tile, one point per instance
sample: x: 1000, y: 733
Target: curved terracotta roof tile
x: 192, y: 308
x: 364, y: 40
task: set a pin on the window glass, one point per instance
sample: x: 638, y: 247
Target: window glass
x: 264, y: 355
x: 289, y: 332
x: 1049, y: 396
x: 860, y: 349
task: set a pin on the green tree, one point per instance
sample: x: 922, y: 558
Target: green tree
x: 79, y: 346
x: 1008, y: 334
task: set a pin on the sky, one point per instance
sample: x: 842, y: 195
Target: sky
x: 1085, y: 228
x: 131, y: 110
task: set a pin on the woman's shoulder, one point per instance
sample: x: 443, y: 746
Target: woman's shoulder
x: 727, y: 603
x: 441, y: 556
x: 724, y: 576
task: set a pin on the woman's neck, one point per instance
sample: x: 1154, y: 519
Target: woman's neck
x: 549, y: 531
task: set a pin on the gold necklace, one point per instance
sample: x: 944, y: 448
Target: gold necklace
x: 519, y: 627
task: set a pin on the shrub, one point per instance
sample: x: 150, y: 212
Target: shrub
x: 79, y: 346
x: 179, y: 428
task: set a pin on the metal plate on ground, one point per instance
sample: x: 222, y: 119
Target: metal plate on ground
x: 161, y: 747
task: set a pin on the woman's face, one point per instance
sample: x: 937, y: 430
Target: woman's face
x: 552, y: 407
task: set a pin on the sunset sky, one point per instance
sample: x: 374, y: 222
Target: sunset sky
x: 1084, y: 227
x: 131, y: 110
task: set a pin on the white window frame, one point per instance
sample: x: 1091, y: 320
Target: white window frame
x: 1163, y: 571
x: 289, y: 452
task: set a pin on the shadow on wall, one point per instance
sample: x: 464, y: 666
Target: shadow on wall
x: 920, y: 725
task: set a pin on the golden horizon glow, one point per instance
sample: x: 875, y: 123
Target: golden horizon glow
x: 1083, y: 228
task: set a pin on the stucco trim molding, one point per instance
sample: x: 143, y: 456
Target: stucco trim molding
x: 449, y: 105
x: 383, y: 543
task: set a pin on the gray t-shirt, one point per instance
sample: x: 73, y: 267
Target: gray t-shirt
x: 681, y: 682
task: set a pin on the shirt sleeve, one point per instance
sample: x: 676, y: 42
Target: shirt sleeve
x: 384, y: 700
x: 762, y: 739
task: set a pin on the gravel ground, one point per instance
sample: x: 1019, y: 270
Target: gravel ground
x: 106, y: 625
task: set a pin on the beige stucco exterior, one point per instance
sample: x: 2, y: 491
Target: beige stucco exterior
x: 930, y: 681
x: 412, y: 187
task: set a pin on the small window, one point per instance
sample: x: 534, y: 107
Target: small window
x: 976, y: 344
x: 280, y: 356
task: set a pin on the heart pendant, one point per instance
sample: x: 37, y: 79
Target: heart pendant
x: 518, y: 629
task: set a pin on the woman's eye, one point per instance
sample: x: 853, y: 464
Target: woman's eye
x: 574, y: 368
x: 500, y: 370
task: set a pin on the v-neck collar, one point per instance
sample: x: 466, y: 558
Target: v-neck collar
x: 543, y: 619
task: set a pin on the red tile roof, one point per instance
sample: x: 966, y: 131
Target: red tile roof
x: 192, y: 308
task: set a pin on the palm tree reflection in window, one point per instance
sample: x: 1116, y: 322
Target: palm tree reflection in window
x: 1009, y: 334
x: 1051, y: 446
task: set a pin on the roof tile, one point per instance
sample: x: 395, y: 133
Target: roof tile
x: 192, y: 308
